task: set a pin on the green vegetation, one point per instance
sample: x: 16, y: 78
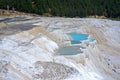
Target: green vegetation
x: 68, y: 8
x: 116, y: 19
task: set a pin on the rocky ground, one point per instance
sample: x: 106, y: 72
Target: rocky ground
x: 28, y: 49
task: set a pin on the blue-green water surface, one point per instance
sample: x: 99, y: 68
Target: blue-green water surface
x: 70, y: 50
x: 79, y: 37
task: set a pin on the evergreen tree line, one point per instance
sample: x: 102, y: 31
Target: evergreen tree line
x: 68, y: 8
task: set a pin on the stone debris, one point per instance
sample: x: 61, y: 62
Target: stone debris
x: 52, y: 71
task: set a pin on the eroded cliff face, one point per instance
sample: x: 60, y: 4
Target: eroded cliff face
x: 28, y: 49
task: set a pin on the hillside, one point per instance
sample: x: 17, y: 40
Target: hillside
x: 30, y: 48
x: 65, y: 8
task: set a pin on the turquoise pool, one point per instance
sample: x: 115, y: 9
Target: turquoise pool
x: 79, y: 37
x: 91, y: 39
x: 75, y: 42
x: 70, y: 50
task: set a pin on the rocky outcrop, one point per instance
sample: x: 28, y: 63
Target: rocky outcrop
x: 52, y: 71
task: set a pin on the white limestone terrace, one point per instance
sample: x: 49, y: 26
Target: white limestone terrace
x: 30, y: 53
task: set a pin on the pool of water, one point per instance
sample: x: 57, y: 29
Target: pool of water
x: 75, y: 42
x: 91, y: 39
x: 70, y: 50
x: 14, y: 19
x: 79, y: 37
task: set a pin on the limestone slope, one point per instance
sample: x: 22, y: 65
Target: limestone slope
x: 29, y: 53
